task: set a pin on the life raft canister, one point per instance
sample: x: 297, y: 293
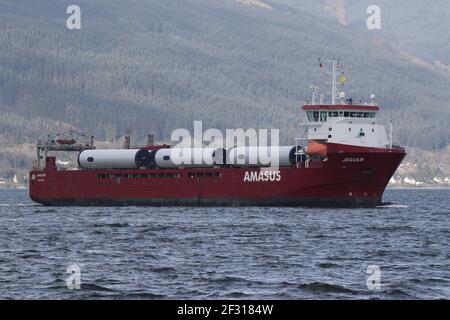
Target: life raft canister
x: 316, y: 148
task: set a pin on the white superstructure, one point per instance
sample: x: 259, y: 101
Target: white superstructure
x: 340, y: 120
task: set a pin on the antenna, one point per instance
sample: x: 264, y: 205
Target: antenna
x: 391, y: 134
x: 337, y: 78
x: 334, y: 80
x: 333, y: 83
x: 314, y: 91
x: 342, y: 96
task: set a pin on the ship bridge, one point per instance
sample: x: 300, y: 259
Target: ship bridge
x: 339, y: 120
x: 320, y: 113
x: 345, y: 124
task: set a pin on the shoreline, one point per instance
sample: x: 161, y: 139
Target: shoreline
x: 418, y: 187
x: 388, y: 187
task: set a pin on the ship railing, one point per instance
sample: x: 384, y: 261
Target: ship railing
x: 300, y: 144
x: 394, y: 141
x: 66, y: 168
x: 396, y: 147
x: 35, y: 165
x: 303, y: 122
x: 341, y: 103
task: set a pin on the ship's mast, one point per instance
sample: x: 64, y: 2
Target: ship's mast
x: 333, y: 83
x: 335, y: 66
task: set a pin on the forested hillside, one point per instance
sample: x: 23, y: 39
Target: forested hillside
x: 140, y: 66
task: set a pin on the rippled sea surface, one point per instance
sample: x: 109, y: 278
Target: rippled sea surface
x: 227, y: 253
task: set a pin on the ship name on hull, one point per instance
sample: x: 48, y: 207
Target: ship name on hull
x: 262, y: 176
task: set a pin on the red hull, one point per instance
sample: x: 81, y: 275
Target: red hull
x: 351, y: 177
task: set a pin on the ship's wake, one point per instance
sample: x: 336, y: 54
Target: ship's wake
x: 392, y: 205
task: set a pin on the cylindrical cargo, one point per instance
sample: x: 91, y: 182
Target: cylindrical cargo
x: 116, y: 159
x: 276, y: 156
x: 189, y: 157
x: 145, y: 158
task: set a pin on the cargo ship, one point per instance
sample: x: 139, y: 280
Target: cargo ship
x: 345, y: 158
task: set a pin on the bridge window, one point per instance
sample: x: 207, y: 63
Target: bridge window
x: 316, y: 116
x: 313, y: 116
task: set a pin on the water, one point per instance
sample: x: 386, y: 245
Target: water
x: 228, y: 253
